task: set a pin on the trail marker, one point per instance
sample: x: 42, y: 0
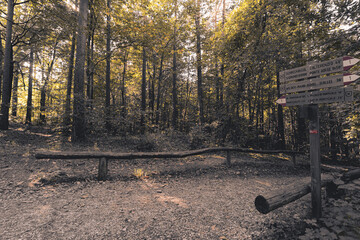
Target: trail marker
x: 318, y: 83
x: 318, y: 68
x: 316, y: 97
x: 316, y: 87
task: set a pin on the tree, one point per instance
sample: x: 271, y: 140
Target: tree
x: 199, y: 62
x: 78, y: 133
x: 174, y: 77
x: 29, y: 105
x: 67, y: 118
x: 108, y: 65
x: 7, y: 81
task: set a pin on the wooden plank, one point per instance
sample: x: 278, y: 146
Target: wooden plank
x: 326, y: 67
x: 138, y: 155
x: 314, y: 69
x: 318, y: 83
x: 344, y: 94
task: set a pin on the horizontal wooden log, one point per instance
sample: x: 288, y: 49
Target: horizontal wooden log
x: 266, y: 204
x: 138, y: 155
x: 336, y: 188
x: 351, y: 175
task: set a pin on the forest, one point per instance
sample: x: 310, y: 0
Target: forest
x: 206, y: 68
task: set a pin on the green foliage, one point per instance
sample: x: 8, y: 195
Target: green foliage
x: 244, y: 46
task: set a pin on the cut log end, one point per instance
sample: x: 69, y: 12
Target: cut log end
x: 262, y: 204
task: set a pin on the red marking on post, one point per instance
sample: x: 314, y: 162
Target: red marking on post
x: 314, y: 131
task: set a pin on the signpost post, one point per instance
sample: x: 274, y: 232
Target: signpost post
x: 304, y: 86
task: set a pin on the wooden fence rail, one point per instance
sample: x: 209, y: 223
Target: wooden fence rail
x: 105, y: 156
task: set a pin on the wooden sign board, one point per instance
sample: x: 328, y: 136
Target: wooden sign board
x: 318, y: 68
x: 344, y: 94
x: 318, y: 83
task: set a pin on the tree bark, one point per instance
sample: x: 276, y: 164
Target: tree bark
x: 143, y: 92
x: 67, y: 118
x: 108, y: 65
x: 123, y: 87
x: 174, y: 78
x: 1, y: 63
x: 90, y: 55
x: 78, y: 133
x: 44, y: 87
x: 199, y: 64
x: 280, y: 128
x: 15, y: 94
x: 7, y: 81
x: 30, y: 86
x: 158, y: 99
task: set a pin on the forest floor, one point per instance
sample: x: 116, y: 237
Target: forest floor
x: 192, y: 198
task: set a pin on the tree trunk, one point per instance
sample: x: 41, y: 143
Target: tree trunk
x: 158, y: 100
x: 152, y: 91
x: 222, y: 66
x: 1, y: 62
x: 174, y: 78
x: 7, y: 81
x: 15, y: 93
x: 44, y: 87
x: 199, y: 63
x: 143, y: 92
x: 108, y: 65
x: 67, y: 118
x: 123, y: 87
x: 280, y: 128
x: 29, y: 98
x: 78, y: 133
x: 90, y: 55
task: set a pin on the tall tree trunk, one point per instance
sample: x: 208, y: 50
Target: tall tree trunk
x: 199, y: 63
x: 158, y: 100
x: 44, y: 87
x: 15, y: 93
x: 152, y: 91
x: 67, y: 118
x: 222, y: 66
x: 108, y: 65
x: 174, y: 77
x: 90, y: 55
x: 78, y: 133
x: 29, y: 98
x: 1, y: 63
x: 143, y: 92
x: 280, y: 127
x: 123, y: 86
x: 7, y: 81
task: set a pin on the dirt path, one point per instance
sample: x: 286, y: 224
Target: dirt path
x: 192, y: 198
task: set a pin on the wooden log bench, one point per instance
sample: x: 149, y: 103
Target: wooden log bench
x: 104, y: 157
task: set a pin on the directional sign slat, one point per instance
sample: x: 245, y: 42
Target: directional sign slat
x: 317, y: 69
x: 318, y: 83
x: 317, y: 97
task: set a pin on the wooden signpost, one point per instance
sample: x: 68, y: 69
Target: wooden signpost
x: 311, y: 85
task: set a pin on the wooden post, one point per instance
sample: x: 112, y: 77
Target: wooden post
x: 103, y: 169
x: 315, y: 161
x: 228, y: 158
x: 293, y: 156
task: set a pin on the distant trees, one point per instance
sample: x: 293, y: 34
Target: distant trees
x: 189, y: 65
